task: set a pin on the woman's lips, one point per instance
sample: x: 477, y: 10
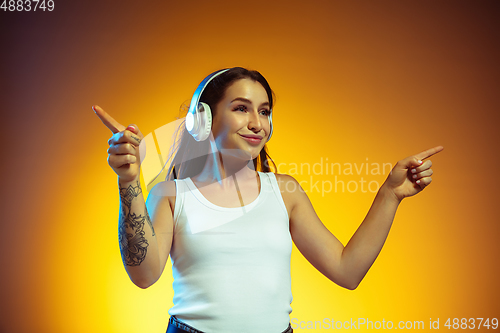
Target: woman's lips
x: 255, y: 140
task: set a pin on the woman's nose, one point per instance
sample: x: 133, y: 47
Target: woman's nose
x: 254, y: 123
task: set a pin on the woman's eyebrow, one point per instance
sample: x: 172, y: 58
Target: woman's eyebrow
x: 241, y: 99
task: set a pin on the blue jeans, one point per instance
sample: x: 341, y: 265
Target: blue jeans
x: 177, y: 326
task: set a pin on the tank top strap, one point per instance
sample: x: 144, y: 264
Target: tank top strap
x: 273, y: 185
x: 180, y: 189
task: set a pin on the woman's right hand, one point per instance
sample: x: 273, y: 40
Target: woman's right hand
x: 123, y: 152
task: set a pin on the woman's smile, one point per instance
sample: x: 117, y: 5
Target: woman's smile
x: 254, y: 140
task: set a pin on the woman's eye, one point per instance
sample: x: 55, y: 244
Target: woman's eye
x: 240, y: 108
x: 265, y: 112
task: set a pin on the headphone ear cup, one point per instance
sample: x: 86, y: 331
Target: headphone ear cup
x: 205, y: 124
x: 270, y: 126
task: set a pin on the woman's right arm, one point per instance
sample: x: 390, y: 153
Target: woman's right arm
x: 144, y: 229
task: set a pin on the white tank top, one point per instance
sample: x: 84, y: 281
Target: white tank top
x: 231, y: 266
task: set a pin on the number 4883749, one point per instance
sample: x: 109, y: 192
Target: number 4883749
x: 471, y: 323
x: 27, y: 5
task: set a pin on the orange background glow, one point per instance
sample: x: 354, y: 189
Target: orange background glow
x: 356, y: 82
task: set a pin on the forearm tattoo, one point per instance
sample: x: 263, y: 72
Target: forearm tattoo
x: 133, y: 244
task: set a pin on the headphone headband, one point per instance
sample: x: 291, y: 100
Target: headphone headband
x: 201, y: 87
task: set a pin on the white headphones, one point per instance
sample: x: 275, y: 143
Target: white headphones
x: 199, y: 116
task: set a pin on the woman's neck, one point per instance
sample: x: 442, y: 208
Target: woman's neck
x: 225, y: 169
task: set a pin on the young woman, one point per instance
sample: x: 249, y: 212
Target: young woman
x: 228, y: 221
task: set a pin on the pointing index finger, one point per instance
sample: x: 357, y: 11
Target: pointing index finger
x: 429, y: 152
x: 107, y: 120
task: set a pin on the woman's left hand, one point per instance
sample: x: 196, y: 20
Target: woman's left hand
x: 411, y: 175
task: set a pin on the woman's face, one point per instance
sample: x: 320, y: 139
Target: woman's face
x: 241, y: 121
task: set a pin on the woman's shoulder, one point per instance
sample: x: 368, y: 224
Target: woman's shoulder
x: 288, y: 185
x: 164, y: 189
x: 162, y: 194
x: 285, y: 179
x: 291, y: 191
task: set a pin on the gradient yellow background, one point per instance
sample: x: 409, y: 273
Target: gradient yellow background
x: 354, y: 80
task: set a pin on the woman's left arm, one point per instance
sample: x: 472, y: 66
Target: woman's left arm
x: 347, y: 265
